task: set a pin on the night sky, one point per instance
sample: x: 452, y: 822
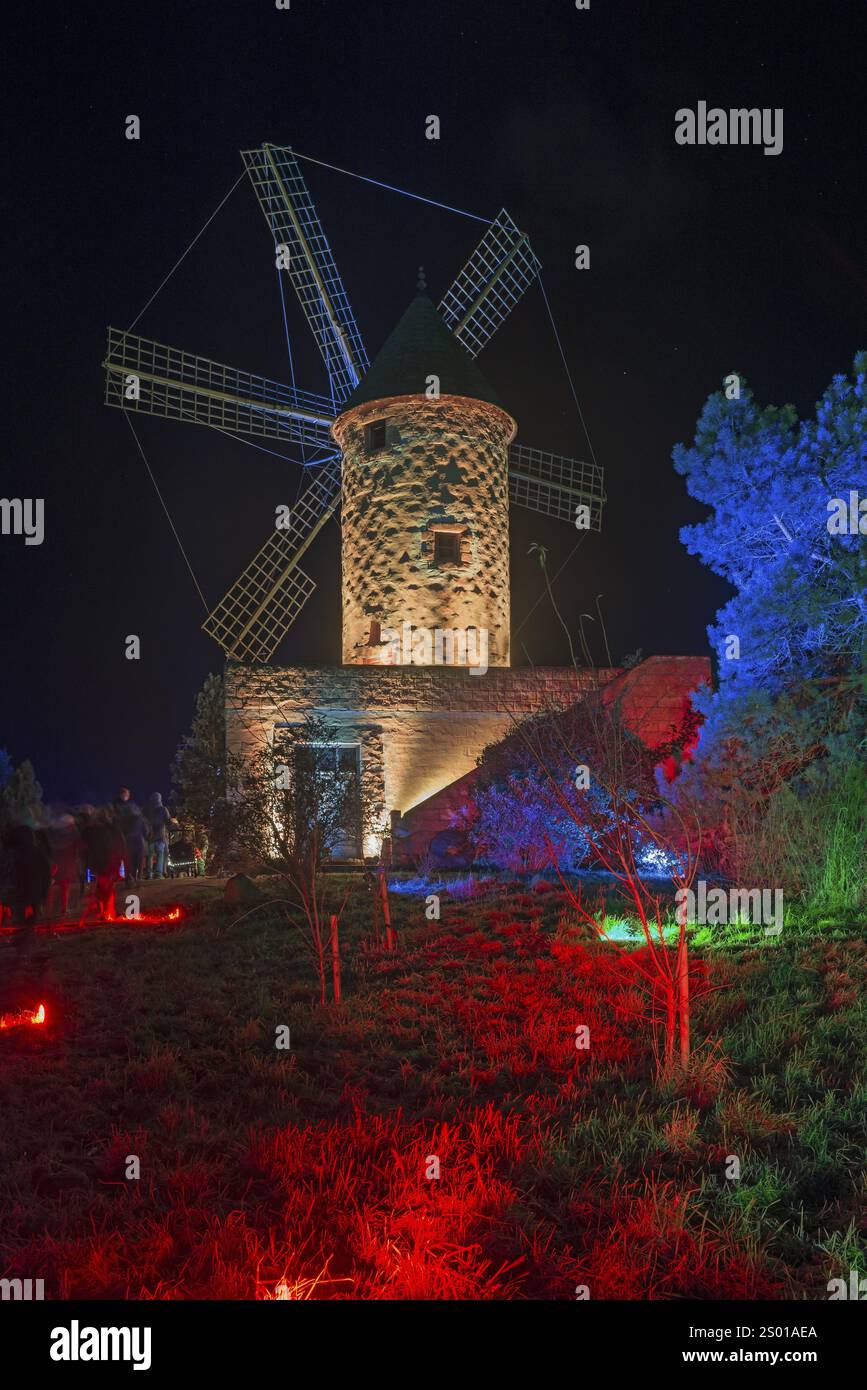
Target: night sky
x: 704, y: 260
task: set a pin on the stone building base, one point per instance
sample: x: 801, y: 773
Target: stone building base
x: 420, y: 729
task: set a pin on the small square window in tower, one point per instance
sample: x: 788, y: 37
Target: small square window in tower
x: 374, y: 436
x: 447, y: 549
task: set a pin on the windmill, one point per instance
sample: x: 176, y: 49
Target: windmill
x: 252, y: 618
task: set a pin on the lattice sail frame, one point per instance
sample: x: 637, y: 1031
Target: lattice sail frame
x: 294, y: 223
x: 554, y: 485
x: 178, y: 385
x: 252, y: 618
x: 498, y: 274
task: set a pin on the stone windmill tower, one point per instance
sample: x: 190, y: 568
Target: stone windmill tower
x: 425, y: 504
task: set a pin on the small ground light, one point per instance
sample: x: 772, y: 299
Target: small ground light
x: 23, y: 1016
x: 300, y: 1291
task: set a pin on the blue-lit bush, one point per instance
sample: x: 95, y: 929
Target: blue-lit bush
x: 522, y: 826
x: 530, y: 811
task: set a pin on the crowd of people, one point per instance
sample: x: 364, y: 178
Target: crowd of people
x: 44, y: 865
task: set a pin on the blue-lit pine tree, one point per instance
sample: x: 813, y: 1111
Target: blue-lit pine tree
x: 788, y: 530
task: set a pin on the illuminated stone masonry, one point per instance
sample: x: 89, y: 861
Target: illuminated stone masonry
x: 420, y: 728
x: 441, y: 470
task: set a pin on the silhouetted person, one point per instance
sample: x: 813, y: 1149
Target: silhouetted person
x: 135, y: 833
x: 29, y: 870
x: 83, y: 814
x: 124, y: 810
x: 130, y: 822
x: 65, y: 847
x: 105, y: 848
x: 159, y: 820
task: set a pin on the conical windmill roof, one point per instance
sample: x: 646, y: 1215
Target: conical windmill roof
x: 421, y: 346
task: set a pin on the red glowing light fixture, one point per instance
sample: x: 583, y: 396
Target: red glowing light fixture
x: 289, y: 1289
x: 173, y: 914
x: 23, y: 1016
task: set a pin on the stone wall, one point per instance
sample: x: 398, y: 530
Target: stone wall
x: 652, y: 700
x: 421, y: 729
x: 444, y: 466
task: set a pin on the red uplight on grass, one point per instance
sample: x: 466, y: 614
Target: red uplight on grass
x: 147, y: 919
x: 23, y: 1016
x: 172, y: 914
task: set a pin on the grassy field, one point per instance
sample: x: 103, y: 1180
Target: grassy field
x: 308, y: 1170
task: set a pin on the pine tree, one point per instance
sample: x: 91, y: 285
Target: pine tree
x: 774, y: 485
x: 199, y: 773
x: 20, y: 793
x: 788, y: 530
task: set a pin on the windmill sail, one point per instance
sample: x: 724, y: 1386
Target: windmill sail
x: 166, y: 381
x: 294, y: 224
x: 500, y: 270
x: 253, y: 616
x: 555, y: 486
x: 251, y: 620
